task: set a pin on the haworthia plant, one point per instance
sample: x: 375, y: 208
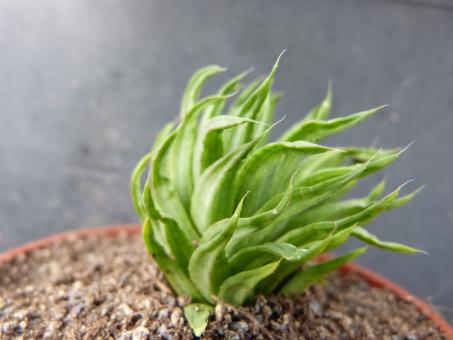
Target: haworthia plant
x: 227, y: 215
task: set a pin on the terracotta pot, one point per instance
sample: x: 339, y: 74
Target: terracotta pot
x: 371, y: 277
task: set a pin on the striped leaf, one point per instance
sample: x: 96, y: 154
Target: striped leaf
x: 207, y: 264
x: 306, y: 277
x: 315, y: 130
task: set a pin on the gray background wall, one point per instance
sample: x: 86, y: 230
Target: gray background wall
x: 85, y: 85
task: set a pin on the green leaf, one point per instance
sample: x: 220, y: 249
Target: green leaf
x: 162, y: 136
x: 211, y: 199
x: 266, y: 115
x: 270, y: 215
x: 229, y: 88
x: 308, y: 233
x: 380, y: 161
x: 171, y: 269
x: 204, y: 266
x: 251, y: 109
x: 271, y: 166
x: 209, y: 146
x: 376, y: 191
x: 371, y: 239
x: 369, y: 213
x: 313, y: 163
x: 144, y: 208
x: 314, y: 130
x: 307, y: 196
x: 322, y: 111
x: 240, y: 288
x: 166, y: 201
x: 243, y: 96
x: 135, y: 185
x: 286, y: 268
x: 182, y: 150
x: 302, y: 199
x: 306, y: 277
x: 340, y: 237
x: 148, y: 204
x: 400, y: 201
x: 364, y: 154
x: 194, y: 85
x: 335, y: 210
x: 332, y: 211
x: 344, y: 214
x: 181, y: 248
x: 197, y: 315
x: 280, y: 250
x: 148, y: 236
x: 249, y: 225
x: 234, y: 110
x: 324, y: 175
x: 347, y: 213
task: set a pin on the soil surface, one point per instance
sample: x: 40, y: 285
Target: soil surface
x: 102, y: 288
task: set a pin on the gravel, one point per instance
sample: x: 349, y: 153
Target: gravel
x: 109, y: 288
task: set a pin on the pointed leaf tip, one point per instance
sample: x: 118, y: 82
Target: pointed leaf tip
x: 406, y: 148
x: 365, y: 236
x: 197, y: 315
x: 280, y: 56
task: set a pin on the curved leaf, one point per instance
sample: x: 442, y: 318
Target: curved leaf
x: 400, y: 201
x: 234, y: 110
x: 281, y: 250
x: 372, y: 211
x: 371, y: 239
x: 135, y: 185
x: 270, y: 215
x: 162, y: 136
x: 209, y: 146
x: 250, y: 225
x: 240, y: 288
x: 211, y: 199
x: 334, y: 210
x: 314, y: 130
x: 376, y: 191
x: 171, y: 269
x: 266, y: 115
x: 306, y: 277
x: 251, y: 109
x: 302, y: 200
x: 321, y: 111
x: 182, y: 150
x: 235, y: 107
x: 308, y: 233
x: 205, y: 265
x: 193, y: 88
x: 286, y: 268
x: 229, y: 88
x: 271, y: 166
x: 180, y: 246
x: 340, y: 237
x: 165, y: 199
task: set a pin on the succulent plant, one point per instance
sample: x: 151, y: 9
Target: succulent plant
x: 227, y: 214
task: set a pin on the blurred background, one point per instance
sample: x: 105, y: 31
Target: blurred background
x: 85, y: 85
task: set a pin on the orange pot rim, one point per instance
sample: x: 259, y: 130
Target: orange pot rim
x: 371, y: 277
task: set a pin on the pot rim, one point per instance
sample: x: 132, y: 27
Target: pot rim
x: 374, y: 279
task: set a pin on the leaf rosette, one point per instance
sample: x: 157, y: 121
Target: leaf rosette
x: 228, y: 215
